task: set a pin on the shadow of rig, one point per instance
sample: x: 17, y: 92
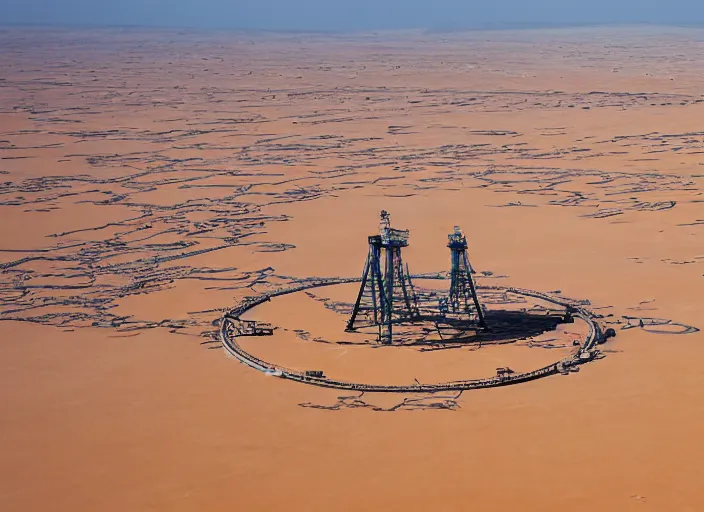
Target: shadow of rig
x: 387, y: 296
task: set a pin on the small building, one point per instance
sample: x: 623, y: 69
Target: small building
x: 504, y: 371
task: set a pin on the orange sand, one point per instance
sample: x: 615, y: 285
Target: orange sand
x: 159, y: 139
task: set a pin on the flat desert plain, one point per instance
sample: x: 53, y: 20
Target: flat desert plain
x: 152, y: 179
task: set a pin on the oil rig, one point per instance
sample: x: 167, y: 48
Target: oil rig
x: 387, y: 296
x: 463, y: 298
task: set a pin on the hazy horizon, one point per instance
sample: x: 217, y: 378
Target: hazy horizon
x: 363, y: 15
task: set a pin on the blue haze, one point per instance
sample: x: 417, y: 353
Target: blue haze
x: 350, y: 15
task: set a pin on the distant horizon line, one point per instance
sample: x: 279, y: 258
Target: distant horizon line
x: 478, y: 27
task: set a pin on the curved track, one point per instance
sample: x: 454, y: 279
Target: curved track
x: 586, y: 352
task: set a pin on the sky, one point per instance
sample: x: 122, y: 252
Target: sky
x: 350, y: 15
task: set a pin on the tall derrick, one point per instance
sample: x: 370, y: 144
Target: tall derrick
x: 386, y: 294
x: 462, y: 299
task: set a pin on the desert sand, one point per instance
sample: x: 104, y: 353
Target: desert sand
x: 151, y: 179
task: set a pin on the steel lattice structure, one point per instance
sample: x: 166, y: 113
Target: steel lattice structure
x: 463, y: 298
x: 385, y: 296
